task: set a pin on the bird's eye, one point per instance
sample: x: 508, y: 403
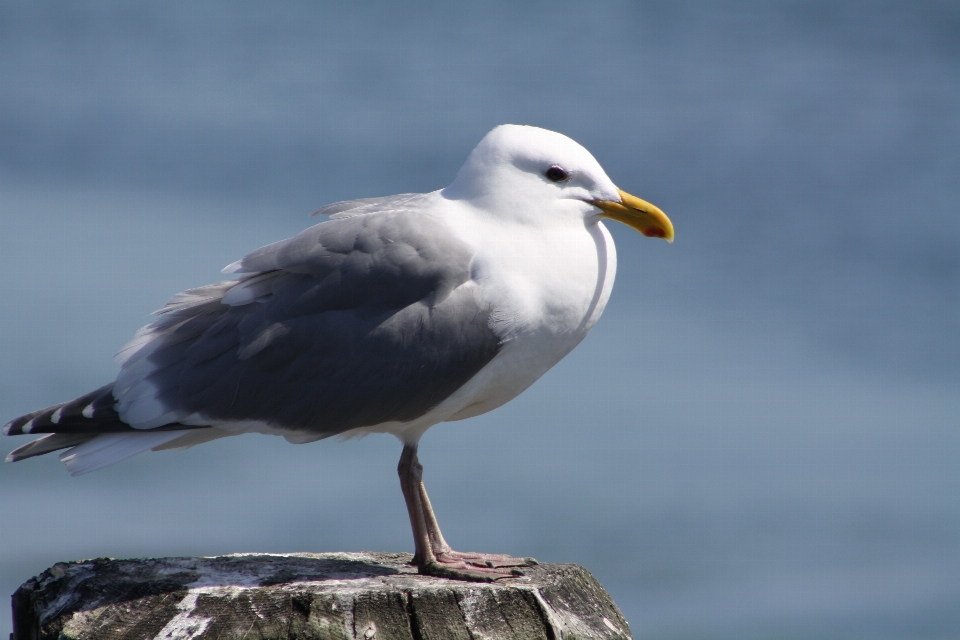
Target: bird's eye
x: 556, y: 174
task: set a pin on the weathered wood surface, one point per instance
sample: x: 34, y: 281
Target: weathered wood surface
x: 369, y: 596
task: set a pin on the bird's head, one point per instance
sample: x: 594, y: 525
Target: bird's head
x: 527, y: 172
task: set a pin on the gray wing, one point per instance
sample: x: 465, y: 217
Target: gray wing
x: 361, y: 206
x: 353, y: 322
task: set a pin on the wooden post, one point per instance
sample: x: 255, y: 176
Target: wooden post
x: 307, y: 596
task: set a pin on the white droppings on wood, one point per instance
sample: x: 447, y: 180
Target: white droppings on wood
x: 612, y: 626
x: 64, y: 596
x: 333, y: 595
x: 187, y: 624
x: 184, y: 625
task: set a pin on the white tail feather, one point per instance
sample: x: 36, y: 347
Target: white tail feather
x: 108, y: 448
x: 193, y: 438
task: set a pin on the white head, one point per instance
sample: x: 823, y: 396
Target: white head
x: 528, y: 173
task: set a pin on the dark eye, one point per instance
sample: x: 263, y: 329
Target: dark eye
x: 556, y: 174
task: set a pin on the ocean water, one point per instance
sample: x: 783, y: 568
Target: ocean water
x: 761, y: 437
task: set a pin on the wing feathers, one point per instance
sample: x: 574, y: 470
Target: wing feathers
x: 358, y: 321
x: 90, y: 413
x: 109, y: 448
x: 350, y: 208
x: 48, y: 443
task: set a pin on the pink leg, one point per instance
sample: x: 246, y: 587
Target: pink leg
x: 410, y: 485
x: 433, y: 555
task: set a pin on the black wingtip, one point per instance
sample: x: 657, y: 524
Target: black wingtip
x: 90, y: 413
x: 23, y: 425
x: 48, y: 443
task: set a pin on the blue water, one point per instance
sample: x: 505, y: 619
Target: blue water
x: 761, y: 438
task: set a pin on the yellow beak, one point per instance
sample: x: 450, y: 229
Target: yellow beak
x: 639, y: 214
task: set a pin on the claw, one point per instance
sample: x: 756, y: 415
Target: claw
x: 462, y: 571
x: 433, y: 556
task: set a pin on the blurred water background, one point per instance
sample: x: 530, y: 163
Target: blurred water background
x: 759, y: 439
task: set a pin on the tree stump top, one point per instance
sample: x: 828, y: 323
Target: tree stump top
x: 368, y: 596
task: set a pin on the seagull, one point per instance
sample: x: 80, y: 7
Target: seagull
x: 395, y: 314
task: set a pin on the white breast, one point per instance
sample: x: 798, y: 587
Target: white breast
x: 549, y: 288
